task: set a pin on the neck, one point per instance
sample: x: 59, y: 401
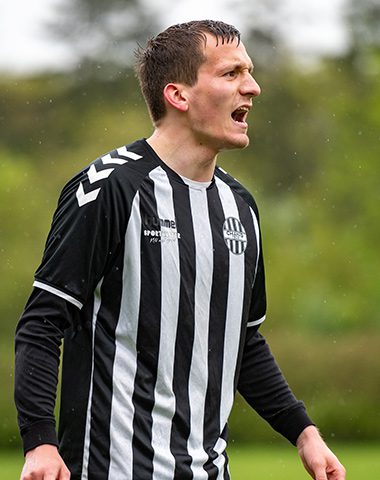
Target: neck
x: 182, y: 155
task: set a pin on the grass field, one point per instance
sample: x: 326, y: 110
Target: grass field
x: 362, y: 462
x: 260, y: 462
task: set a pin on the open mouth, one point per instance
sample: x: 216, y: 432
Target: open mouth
x: 240, y: 115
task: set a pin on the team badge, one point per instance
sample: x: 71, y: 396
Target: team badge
x: 234, y: 235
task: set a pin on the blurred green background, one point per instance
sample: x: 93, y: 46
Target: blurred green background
x: 313, y: 167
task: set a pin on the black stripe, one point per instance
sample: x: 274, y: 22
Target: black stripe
x: 235, y: 246
x: 108, y: 315
x: 77, y: 357
x: 148, y: 338
x: 185, y: 332
x: 250, y: 256
x: 224, y: 435
x: 219, y: 296
x: 226, y: 475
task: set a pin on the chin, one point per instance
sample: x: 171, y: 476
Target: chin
x: 238, y: 142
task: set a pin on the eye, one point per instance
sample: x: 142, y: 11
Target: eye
x: 231, y: 74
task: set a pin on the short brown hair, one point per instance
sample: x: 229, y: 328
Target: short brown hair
x: 175, y: 55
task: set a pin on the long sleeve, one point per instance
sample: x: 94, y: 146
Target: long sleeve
x: 39, y: 335
x: 264, y: 387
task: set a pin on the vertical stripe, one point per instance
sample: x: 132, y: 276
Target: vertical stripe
x: 86, y: 449
x: 125, y: 356
x: 220, y: 461
x: 219, y: 294
x: 252, y: 299
x: 234, y: 309
x: 104, y: 356
x: 199, y: 365
x: 164, y: 406
x: 227, y: 473
x: 257, y: 233
x: 148, y: 335
x: 185, y: 331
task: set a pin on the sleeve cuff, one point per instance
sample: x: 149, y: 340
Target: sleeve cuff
x: 291, y: 423
x: 38, y: 434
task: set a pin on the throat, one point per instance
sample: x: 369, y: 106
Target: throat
x: 195, y: 162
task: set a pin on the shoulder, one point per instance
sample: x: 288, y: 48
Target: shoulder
x: 237, y: 188
x: 128, y: 164
x: 120, y: 170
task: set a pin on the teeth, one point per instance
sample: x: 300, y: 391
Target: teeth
x: 239, y: 114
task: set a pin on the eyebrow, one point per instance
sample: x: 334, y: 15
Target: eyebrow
x: 237, y: 66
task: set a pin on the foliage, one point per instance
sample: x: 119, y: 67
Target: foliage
x: 337, y: 376
x: 364, y: 20
x: 313, y: 168
x: 101, y: 32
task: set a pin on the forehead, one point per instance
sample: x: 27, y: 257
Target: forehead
x: 220, y: 54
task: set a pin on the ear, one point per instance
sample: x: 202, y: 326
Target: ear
x: 174, y: 94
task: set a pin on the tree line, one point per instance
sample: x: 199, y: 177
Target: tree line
x: 313, y: 168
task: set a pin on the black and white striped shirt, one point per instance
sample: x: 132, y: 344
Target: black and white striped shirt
x: 166, y: 277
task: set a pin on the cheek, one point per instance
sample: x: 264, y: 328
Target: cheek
x: 210, y: 109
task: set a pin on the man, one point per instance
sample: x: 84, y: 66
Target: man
x: 153, y: 273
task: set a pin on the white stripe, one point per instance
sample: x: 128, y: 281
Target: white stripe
x: 88, y: 197
x: 125, y: 364
x: 59, y: 293
x: 198, y: 378
x: 220, y: 461
x: 96, y: 176
x: 108, y: 160
x: 126, y: 153
x: 257, y: 233
x: 256, y: 322
x: 86, y: 446
x: 234, y: 310
x: 164, y: 406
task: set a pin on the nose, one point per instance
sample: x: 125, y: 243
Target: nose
x: 250, y: 87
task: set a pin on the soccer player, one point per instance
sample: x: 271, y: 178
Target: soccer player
x: 153, y: 274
